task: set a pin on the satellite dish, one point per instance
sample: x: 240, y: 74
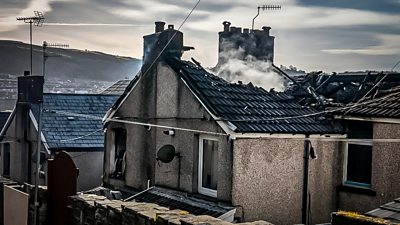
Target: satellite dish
x: 166, y: 153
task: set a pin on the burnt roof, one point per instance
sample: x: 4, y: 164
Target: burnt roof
x: 342, y: 88
x: 385, y: 105
x: 58, y: 127
x: 249, y: 108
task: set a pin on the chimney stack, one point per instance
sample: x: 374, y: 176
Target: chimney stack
x: 162, y: 43
x: 257, y: 43
x: 159, y: 26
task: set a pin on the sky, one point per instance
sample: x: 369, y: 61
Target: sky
x: 338, y: 35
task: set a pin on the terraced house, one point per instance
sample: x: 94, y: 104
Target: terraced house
x: 63, y: 129
x: 234, y: 144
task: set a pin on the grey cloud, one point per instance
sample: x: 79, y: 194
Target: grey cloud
x: 13, y: 4
x: 385, y: 6
x: 80, y: 12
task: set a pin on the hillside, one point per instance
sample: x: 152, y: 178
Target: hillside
x: 68, y: 64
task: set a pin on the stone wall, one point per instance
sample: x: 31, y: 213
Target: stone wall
x: 90, y: 209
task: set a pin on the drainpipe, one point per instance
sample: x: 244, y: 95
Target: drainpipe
x: 36, y: 215
x: 304, y: 216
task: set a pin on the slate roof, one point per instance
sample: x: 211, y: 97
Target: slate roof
x: 385, y: 106
x: 3, y: 118
x: 248, y: 108
x: 180, y: 200
x: 389, y: 211
x: 58, y: 127
x: 117, y: 88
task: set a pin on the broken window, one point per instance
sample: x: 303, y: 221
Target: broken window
x: 6, y: 159
x: 208, y: 166
x: 359, y: 154
x: 119, y: 153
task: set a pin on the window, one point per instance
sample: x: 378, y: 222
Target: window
x: 6, y: 159
x: 358, y: 166
x: 119, y: 154
x: 208, y: 166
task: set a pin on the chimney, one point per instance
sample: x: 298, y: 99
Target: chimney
x: 162, y: 43
x: 159, y: 26
x: 30, y: 91
x: 27, y: 73
x: 257, y: 43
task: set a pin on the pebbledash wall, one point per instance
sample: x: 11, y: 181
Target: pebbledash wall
x: 268, y: 179
x: 168, y: 103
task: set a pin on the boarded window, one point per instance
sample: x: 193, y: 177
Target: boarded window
x: 6, y: 159
x: 120, y: 149
x: 359, y: 154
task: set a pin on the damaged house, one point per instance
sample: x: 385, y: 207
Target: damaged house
x: 368, y: 106
x: 63, y: 129
x: 229, y: 144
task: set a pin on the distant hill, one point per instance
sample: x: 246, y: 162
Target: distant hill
x: 66, y: 64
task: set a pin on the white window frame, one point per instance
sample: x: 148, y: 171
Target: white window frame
x: 200, y: 188
x: 346, y: 154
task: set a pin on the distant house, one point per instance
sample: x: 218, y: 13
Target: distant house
x: 117, y: 88
x: 234, y: 143
x: 371, y: 159
x: 63, y: 129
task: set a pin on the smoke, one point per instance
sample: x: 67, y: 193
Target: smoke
x: 236, y: 66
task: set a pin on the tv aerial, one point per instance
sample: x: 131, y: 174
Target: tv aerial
x: 264, y: 7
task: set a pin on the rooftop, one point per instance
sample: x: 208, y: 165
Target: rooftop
x: 249, y: 108
x: 389, y: 211
x: 117, y: 88
x: 383, y: 105
x: 180, y: 200
x: 73, y: 132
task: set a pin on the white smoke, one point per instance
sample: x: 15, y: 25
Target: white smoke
x: 236, y: 66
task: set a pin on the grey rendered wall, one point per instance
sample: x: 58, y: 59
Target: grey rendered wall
x: 268, y: 179
x: 385, y: 172
x: 90, y: 165
x: 165, y: 100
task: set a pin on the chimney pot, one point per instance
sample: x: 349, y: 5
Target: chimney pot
x: 159, y: 26
x: 266, y: 29
x: 171, y: 27
x: 27, y: 73
x: 226, y: 26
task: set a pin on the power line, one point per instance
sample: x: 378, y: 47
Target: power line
x: 395, y: 65
x: 170, y: 40
x: 81, y: 137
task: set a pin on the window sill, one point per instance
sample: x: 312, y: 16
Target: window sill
x: 356, y: 189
